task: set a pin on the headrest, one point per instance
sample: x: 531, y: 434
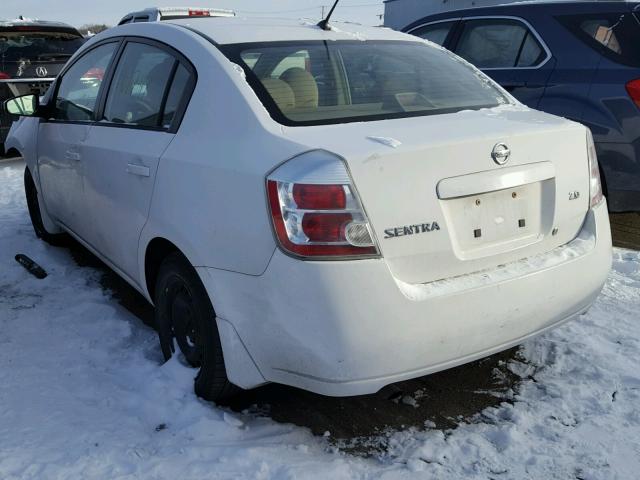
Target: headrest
x: 281, y: 93
x: 304, y: 86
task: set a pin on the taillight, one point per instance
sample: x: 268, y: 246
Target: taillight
x: 319, y: 197
x: 595, y: 184
x: 633, y: 89
x: 315, y: 209
x: 199, y: 13
x: 95, y: 73
x: 4, y: 76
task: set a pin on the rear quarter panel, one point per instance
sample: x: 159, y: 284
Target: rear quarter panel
x: 209, y: 198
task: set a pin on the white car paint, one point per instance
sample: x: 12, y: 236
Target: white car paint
x: 339, y: 327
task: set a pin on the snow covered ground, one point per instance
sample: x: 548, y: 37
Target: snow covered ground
x: 83, y: 395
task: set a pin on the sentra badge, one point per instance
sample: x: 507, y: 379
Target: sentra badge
x: 411, y: 230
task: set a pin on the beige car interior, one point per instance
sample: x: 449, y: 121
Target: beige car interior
x: 295, y: 89
x: 296, y: 94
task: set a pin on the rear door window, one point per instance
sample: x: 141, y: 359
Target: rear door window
x: 615, y: 35
x: 139, y: 86
x: 180, y: 87
x: 499, y: 43
x: 436, y: 32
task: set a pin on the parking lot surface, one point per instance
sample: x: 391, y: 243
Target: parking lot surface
x: 84, y: 392
x: 625, y: 228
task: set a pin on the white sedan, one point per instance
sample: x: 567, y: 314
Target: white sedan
x: 335, y: 209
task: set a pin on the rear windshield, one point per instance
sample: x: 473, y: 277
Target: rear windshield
x: 33, y: 45
x: 314, y: 83
x: 615, y: 35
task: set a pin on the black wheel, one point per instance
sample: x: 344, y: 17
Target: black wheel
x: 185, y: 317
x: 57, y: 239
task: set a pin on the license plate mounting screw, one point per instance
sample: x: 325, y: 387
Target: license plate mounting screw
x: 514, y: 195
x: 478, y: 202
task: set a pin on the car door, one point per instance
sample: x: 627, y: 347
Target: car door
x: 509, y: 51
x: 599, y: 57
x: 146, y: 98
x: 61, y: 137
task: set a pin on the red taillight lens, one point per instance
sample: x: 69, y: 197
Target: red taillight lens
x: 319, y: 197
x: 319, y: 220
x: 4, y: 76
x: 199, y: 13
x: 633, y: 89
x: 325, y: 227
x: 96, y: 73
x: 316, y: 211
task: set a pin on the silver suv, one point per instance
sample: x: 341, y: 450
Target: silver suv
x: 156, y: 14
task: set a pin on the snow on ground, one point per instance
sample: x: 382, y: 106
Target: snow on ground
x: 83, y: 394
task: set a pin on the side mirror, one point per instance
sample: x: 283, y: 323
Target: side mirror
x: 26, y: 105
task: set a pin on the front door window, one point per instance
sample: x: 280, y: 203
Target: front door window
x: 77, y: 95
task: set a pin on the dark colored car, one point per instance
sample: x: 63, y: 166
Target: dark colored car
x: 32, y: 53
x: 579, y: 60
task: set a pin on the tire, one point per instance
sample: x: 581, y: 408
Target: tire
x: 56, y: 239
x: 184, y: 316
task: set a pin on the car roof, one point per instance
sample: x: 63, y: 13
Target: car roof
x: 228, y: 30
x: 28, y: 22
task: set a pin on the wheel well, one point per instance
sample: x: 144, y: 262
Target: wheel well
x: 157, y: 250
x: 12, y: 152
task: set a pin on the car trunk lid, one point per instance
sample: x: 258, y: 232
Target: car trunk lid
x: 441, y: 206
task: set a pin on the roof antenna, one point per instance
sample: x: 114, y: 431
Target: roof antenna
x: 324, y: 24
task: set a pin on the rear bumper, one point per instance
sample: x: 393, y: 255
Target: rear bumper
x: 349, y: 328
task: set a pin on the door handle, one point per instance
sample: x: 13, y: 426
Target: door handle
x: 140, y: 170
x: 71, y: 155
